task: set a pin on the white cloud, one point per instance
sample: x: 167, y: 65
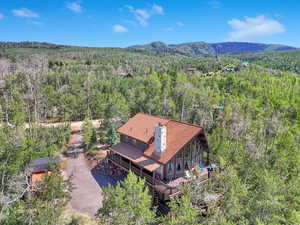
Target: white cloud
x: 156, y: 9
x: 1, y: 16
x: 179, y: 24
x: 75, y: 7
x: 253, y: 27
x: 119, y: 29
x: 25, y: 13
x: 143, y: 15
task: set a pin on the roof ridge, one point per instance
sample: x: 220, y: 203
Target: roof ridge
x: 169, y: 120
x: 159, y: 117
x: 190, y: 124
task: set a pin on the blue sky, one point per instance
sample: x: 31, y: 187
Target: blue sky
x: 116, y: 23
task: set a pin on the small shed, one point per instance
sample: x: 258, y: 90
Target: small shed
x: 42, y: 164
x: 37, y: 169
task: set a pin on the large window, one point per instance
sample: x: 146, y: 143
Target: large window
x: 186, y: 152
x: 186, y: 165
x: 170, y: 168
x: 179, y: 166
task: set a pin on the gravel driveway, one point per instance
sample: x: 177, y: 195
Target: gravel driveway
x: 86, y: 194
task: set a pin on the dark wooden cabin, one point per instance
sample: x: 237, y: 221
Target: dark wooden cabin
x: 162, y: 151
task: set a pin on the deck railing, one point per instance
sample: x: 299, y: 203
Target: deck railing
x: 150, y: 180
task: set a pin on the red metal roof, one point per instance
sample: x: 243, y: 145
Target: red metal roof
x: 141, y: 127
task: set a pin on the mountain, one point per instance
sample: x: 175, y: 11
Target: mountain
x: 195, y: 49
x: 208, y: 49
x: 31, y: 44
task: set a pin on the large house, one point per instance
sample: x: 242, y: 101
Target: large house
x: 161, y: 151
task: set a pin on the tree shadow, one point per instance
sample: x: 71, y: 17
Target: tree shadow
x: 105, y: 180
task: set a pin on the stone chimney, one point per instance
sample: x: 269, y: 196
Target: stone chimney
x: 160, y: 139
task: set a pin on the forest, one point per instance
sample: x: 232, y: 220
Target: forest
x: 255, y: 140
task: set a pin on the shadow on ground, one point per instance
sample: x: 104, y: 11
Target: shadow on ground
x: 104, y: 180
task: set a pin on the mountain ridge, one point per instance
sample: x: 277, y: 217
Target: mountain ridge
x: 196, y: 49
x: 191, y: 49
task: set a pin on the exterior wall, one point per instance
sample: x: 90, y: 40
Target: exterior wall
x: 189, y: 157
x: 160, y: 171
x: 138, y: 144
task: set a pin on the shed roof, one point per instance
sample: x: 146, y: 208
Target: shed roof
x: 41, y: 164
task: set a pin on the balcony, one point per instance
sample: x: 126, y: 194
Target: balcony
x: 170, y: 189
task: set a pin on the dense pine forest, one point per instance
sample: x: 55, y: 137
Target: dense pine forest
x: 254, y: 139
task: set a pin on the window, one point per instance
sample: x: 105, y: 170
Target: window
x: 178, y: 167
x: 133, y: 141
x: 179, y: 155
x: 170, y: 168
x: 186, y: 152
x: 186, y: 166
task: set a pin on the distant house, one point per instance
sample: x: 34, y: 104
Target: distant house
x: 126, y: 75
x: 191, y: 70
x: 162, y: 151
x: 230, y: 69
x: 244, y: 64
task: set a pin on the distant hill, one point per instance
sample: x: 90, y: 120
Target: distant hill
x: 29, y: 44
x: 15, y: 50
x: 209, y: 49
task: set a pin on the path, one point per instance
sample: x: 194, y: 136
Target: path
x: 86, y: 194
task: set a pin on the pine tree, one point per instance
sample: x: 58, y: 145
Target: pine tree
x: 87, y: 131
x: 182, y: 211
x: 127, y: 203
x: 111, y: 134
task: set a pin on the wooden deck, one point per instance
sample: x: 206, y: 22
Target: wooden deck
x: 151, y: 181
x: 172, y: 188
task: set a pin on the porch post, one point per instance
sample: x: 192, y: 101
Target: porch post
x: 153, y: 178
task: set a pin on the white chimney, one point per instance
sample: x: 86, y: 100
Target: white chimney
x: 160, y: 139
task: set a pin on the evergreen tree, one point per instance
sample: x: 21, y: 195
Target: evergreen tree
x: 88, y: 132
x: 127, y: 203
x: 181, y: 211
x: 111, y: 134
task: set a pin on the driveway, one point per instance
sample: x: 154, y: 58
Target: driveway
x: 86, y: 194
